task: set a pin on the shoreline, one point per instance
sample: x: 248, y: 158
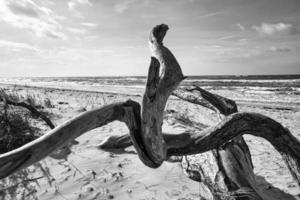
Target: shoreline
x: 65, y: 89
x: 251, y: 102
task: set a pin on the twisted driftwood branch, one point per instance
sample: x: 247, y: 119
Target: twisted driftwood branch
x: 38, y: 149
x: 145, y: 127
x: 232, y: 161
x: 188, y: 143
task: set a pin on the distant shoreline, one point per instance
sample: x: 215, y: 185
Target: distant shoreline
x: 213, y: 77
x: 65, y: 89
x: 289, y: 82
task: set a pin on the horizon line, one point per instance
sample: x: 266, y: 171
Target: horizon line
x: 221, y: 75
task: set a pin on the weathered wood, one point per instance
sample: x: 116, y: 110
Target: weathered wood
x: 224, y: 105
x: 191, y: 97
x: 163, y: 77
x: 188, y: 143
x: 284, y: 142
x: 245, y: 123
x: 38, y: 149
x: 231, y: 163
x: 145, y: 126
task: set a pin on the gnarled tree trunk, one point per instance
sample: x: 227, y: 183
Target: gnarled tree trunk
x: 153, y: 147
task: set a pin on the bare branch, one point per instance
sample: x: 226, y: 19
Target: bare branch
x: 38, y: 149
x: 224, y: 105
x: 191, y: 97
x: 245, y: 123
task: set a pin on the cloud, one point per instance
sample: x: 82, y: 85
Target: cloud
x: 74, y: 4
x: 125, y: 5
x: 212, y: 14
x: 276, y: 29
x: 17, y: 45
x: 89, y: 24
x: 229, y: 37
x: 240, y: 27
x: 26, y: 8
x: 26, y: 14
x: 76, y: 31
x: 279, y: 49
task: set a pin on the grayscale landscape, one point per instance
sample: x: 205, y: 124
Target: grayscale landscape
x: 149, y: 100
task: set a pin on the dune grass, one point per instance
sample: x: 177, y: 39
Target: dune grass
x: 18, y: 126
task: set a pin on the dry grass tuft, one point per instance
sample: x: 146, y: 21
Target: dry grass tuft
x: 16, y: 129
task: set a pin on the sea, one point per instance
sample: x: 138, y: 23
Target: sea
x: 255, y: 88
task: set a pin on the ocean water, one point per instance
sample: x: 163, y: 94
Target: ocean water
x: 265, y: 88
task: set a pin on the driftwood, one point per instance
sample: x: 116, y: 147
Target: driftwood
x: 152, y: 146
x: 145, y: 129
x: 231, y: 162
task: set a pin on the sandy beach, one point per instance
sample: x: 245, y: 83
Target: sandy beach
x: 90, y: 173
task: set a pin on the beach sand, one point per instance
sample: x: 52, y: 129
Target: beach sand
x: 90, y: 173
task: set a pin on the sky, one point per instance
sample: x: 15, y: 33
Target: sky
x: 110, y: 37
